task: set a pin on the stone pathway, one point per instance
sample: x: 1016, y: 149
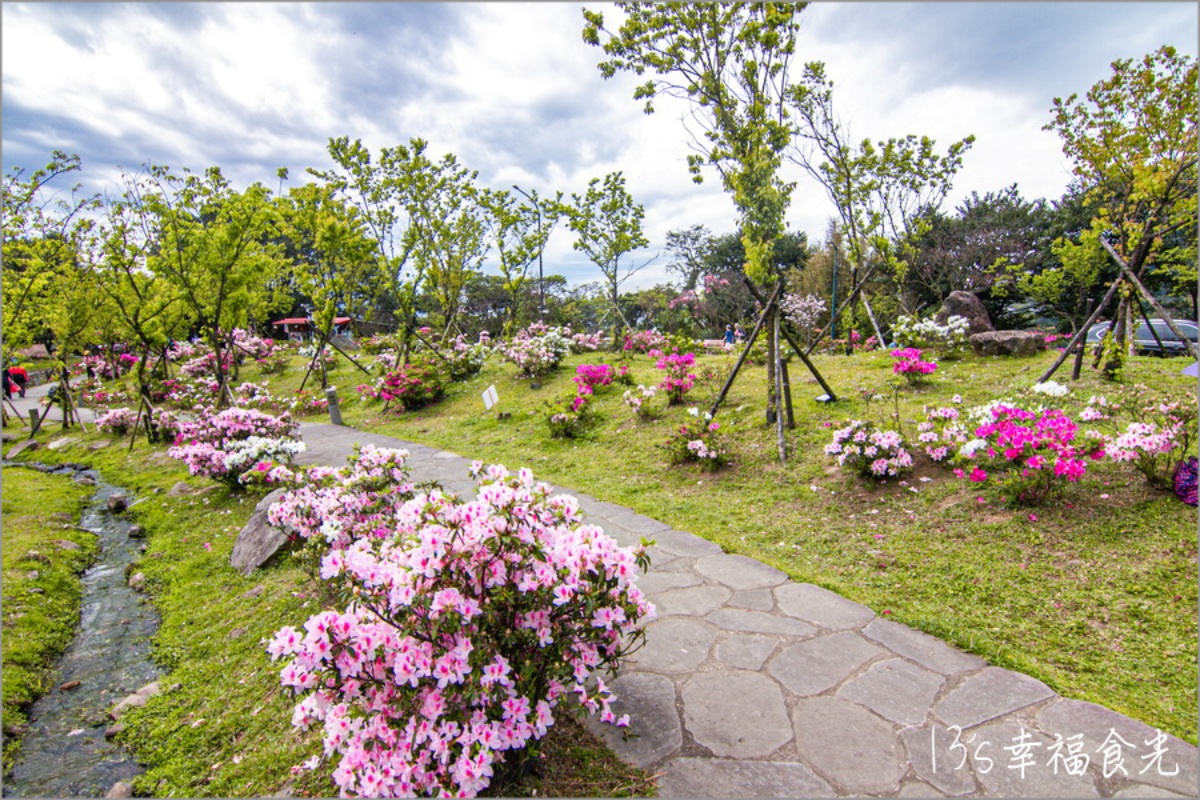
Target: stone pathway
x: 752, y: 685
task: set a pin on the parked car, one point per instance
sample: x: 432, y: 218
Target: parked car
x: 1144, y: 341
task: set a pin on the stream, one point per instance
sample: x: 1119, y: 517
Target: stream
x: 65, y: 752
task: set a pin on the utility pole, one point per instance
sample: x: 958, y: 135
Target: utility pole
x: 541, y: 280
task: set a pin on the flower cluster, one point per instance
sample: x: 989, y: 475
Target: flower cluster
x: 1037, y: 449
x: 679, y: 379
x: 640, y: 401
x: 570, y: 415
x: 909, y: 364
x: 101, y: 367
x: 590, y: 377
x: 1157, y: 434
x: 585, y: 342
x: 118, y: 421
x: 946, y: 339
x: 226, y: 445
x: 942, y: 433
x: 256, y: 347
x: 803, y: 312
x: 414, y: 386
x: 328, y: 355
x: 873, y: 453
x: 644, y: 341
x: 465, y: 360
x: 470, y: 623
x: 104, y: 398
x: 536, y: 350
x: 1050, y: 389
x: 699, y: 442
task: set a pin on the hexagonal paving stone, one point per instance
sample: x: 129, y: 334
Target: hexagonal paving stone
x: 739, y: 572
x: 674, y: 644
x: 1009, y: 745
x: 694, y: 601
x: 745, y: 650
x: 649, y: 700
x: 895, y: 689
x: 992, y: 693
x: 821, y: 606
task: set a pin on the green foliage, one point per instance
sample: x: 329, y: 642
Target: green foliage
x: 520, y: 232
x: 729, y: 62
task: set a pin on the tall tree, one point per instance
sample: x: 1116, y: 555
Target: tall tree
x: 689, y: 249
x: 212, y: 245
x: 608, y: 226
x: 879, y: 189
x: 520, y: 232
x: 42, y: 235
x: 1133, y: 143
x: 729, y: 62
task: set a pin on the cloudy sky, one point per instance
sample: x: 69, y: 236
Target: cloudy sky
x: 513, y: 92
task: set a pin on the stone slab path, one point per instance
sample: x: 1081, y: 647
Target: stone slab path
x: 753, y: 685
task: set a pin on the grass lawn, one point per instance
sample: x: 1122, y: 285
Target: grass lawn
x: 1094, y: 593
x: 43, y: 554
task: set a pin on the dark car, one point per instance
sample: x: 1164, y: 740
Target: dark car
x: 1144, y: 341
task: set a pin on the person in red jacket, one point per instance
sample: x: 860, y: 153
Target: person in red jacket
x: 19, y: 377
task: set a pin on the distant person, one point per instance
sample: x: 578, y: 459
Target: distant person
x: 729, y: 336
x: 19, y: 378
x: 738, y: 333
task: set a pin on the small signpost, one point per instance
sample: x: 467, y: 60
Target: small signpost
x: 490, y: 398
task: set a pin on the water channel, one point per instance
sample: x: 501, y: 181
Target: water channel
x: 65, y: 752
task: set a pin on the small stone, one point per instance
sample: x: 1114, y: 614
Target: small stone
x: 137, y: 580
x: 26, y: 446
x: 113, y: 730
x: 121, y: 789
x: 180, y: 489
x: 60, y: 443
x: 64, y: 544
x: 68, y: 686
x: 137, y: 532
x: 34, y: 555
x: 255, y: 592
x: 117, y: 503
x: 236, y: 633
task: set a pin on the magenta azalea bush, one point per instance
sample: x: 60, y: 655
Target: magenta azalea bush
x: 1032, y: 453
x: 872, y: 453
x: 227, y: 445
x: 413, y: 386
x: 644, y: 341
x: 467, y: 624
x: 679, y: 379
x: 590, y: 377
x: 911, y: 366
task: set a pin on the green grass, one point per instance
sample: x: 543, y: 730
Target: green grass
x: 1097, y: 597
x: 41, y: 587
x: 224, y: 728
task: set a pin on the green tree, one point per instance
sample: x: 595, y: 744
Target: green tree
x: 608, y: 226
x: 212, y: 243
x: 880, y: 189
x: 42, y: 236
x: 1132, y: 141
x: 729, y: 62
x: 520, y: 232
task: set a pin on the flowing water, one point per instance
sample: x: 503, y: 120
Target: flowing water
x: 65, y: 752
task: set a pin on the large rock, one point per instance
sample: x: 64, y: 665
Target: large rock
x: 34, y: 352
x: 25, y: 446
x: 259, y: 540
x: 1008, y: 343
x: 968, y: 306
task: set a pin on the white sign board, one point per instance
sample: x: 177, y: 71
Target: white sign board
x: 490, y: 398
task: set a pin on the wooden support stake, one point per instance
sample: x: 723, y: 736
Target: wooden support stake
x: 1081, y: 347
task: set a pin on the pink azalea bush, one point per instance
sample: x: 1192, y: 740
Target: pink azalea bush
x: 1032, y: 453
x: 679, y: 379
x: 698, y: 443
x: 1157, y: 433
x: 872, y: 453
x: 226, y: 445
x: 537, y: 349
x: 942, y: 433
x: 644, y: 341
x: 414, y: 386
x: 909, y: 364
x: 639, y: 401
x: 118, y: 421
x: 467, y: 624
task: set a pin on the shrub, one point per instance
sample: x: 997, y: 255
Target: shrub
x: 1031, y: 453
x: 909, y: 364
x: 942, y: 434
x: 414, y: 386
x: 470, y: 622
x: 872, y: 453
x: 569, y: 416
x: 679, y: 380
x: 590, y: 377
x: 644, y: 341
x: 639, y: 401
x: 227, y: 445
x: 1157, y: 433
x: 118, y: 421
x: 947, y: 339
x: 698, y: 442
x: 536, y: 350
